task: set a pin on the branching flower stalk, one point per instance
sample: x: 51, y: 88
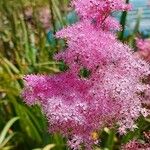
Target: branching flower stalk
x: 111, y: 95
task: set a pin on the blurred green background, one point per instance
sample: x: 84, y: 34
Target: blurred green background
x: 27, y: 46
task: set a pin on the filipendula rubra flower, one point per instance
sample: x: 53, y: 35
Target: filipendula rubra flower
x: 136, y: 145
x: 143, y: 49
x: 113, y: 92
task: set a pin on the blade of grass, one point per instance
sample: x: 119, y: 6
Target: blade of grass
x: 7, y: 139
x: 6, y: 128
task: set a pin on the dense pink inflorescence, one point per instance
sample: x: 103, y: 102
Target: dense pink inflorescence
x: 143, y: 48
x: 99, y: 10
x: 113, y: 93
x: 136, y: 145
x: 143, y: 45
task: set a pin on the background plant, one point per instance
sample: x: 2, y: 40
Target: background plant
x: 24, y: 50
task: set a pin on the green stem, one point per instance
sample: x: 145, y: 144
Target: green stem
x: 123, y: 22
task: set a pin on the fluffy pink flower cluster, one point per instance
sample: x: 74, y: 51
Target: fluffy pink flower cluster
x: 99, y: 11
x: 143, y: 45
x: 111, y: 95
x: 136, y: 145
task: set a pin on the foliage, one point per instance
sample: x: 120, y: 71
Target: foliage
x: 4, y: 139
x: 24, y: 50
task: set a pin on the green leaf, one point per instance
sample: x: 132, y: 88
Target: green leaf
x: 47, y: 147
x: 6, y: 128
x: 7, y: 139
x: 148, y: 120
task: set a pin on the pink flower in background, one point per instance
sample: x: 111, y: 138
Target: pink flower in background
x: 113, y: 92
x: 132, y: 145
x: 136, y: 145
x: 143, y: 47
